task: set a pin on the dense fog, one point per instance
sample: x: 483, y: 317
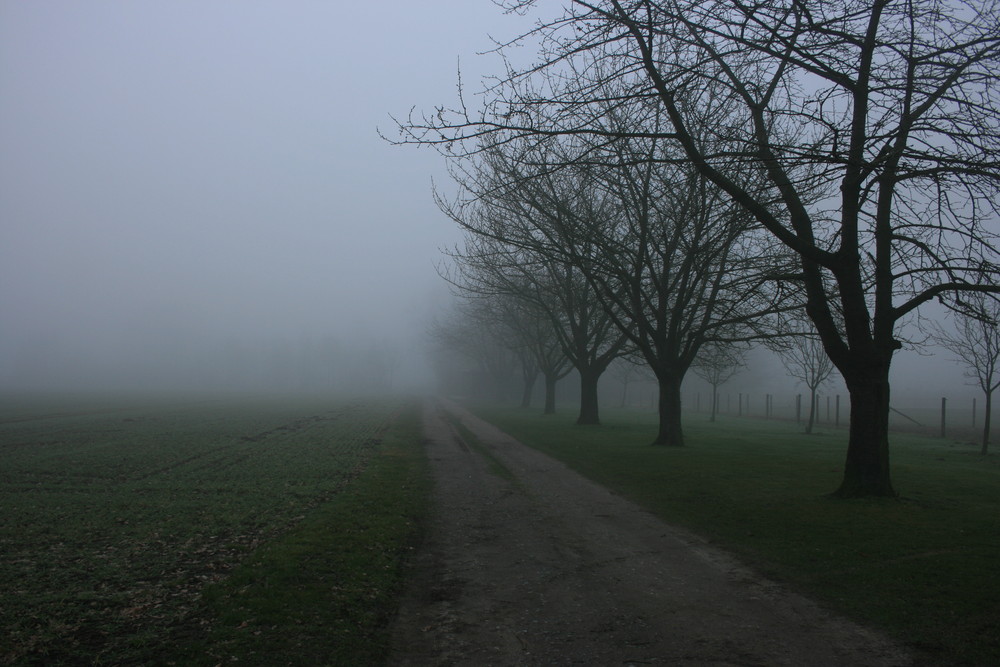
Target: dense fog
x: 194, y: 192
x: 195, y: 195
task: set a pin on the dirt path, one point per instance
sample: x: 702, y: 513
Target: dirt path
x: 527, y: 563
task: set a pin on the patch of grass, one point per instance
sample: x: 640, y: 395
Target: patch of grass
x: 922, y: 567
x: 118, y: 514
x: 325, y: 592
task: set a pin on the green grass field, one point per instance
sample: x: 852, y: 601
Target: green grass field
x: 925, y: 567
x: 132, y: 532
x: 203, y: 532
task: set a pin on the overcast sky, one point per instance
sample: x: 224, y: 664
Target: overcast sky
x: 178, y: 175
x: 196, y: 170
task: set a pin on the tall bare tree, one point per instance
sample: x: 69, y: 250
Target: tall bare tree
x: 890, y: 107
x: 679, y: 261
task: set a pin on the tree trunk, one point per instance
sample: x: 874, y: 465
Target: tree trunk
x: 550, y: 394
x: 670, y: 432
x: 866, y: 471
x: 589, y: 413
x: 715, y: 402
x: 986, y: 427
x: 812, y: 410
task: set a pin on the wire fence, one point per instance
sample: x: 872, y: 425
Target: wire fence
x: 959, y: 420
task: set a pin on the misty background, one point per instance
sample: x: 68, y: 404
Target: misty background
x: 195, y: 195
x: 188, y: 186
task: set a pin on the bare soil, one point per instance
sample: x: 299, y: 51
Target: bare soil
x: 531, y: 564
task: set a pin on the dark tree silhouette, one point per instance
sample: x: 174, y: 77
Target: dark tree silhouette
x: 871, y: 131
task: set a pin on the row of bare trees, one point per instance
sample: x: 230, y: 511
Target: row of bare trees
x: 622, y: 247
x: 706, y: 165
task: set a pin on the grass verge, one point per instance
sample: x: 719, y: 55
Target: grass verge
x: 922, y: 568
x: 323, y: 594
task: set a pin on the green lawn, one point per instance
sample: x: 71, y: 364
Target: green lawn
x: 324, y: 593
x: 207, y: 529
x: 925, y: 567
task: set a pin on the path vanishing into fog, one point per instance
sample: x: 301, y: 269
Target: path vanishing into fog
x: 528, y: 563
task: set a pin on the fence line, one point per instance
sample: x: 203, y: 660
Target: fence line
x: 950, y: 421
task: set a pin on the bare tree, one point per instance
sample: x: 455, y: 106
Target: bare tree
x: 975, y: 341
x: 526, y: 327
x: 805, y: 360
x: 544, y: 284
x: 717, y: 364
x: 670, y: 260
x: 676, y: 264
x: 891, y: 108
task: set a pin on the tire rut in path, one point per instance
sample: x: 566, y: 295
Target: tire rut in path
x: 543, y: 567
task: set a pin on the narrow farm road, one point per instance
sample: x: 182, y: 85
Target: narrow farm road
x: 528, y: 563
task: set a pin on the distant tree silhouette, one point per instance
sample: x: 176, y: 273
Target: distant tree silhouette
x: 975, y: 341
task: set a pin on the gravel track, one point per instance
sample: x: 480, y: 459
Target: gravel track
x: 528, y: 563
